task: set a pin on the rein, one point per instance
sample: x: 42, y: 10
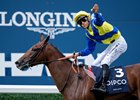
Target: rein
x: 47, y: 62
x: 38, y: 52
x: 71, y: 68
x: 51, y: 61
x: 61, y: 59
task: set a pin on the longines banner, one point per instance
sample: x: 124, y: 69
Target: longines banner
x: 22, y: 22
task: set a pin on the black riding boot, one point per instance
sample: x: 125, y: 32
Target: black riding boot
x: 102, y: 88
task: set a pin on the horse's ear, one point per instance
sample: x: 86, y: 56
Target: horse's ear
x: 41, y: 37
x: 47, y: 39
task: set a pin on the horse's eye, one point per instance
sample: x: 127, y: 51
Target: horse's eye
x: 35, y: 49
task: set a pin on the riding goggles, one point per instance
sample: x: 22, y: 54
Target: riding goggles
x: 82, y: 19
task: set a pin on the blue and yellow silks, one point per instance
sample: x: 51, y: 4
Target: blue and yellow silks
x: 99, y: 31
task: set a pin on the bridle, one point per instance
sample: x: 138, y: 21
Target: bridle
x: 38, y: 52
x: 35, y: 54
x: 31, y: 61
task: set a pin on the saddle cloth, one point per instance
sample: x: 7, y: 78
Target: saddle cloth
x: 117, y: 81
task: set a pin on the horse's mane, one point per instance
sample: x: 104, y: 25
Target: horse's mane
x: 76, y: 66
x: 60, y: 53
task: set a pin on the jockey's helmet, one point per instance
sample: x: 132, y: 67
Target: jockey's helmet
x: 80, y: 15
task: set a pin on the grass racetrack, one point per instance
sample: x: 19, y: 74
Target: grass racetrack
x: 30, y: 96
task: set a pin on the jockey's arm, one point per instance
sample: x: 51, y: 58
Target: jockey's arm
x: 89, y: 49
x: 98, y: 17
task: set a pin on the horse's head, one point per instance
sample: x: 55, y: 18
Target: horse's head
x: 32, y: 56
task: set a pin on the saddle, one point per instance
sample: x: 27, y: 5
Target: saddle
x: 117, y: 81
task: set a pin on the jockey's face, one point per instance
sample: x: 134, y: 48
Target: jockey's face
x: 83, y: 22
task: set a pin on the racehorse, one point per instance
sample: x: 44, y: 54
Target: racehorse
x: 67, y: 81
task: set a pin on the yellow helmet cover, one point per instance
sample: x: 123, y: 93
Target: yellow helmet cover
x: 79, y: 14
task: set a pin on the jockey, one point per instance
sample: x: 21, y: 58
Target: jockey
x: 98, y: 30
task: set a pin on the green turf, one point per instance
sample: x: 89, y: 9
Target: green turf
x: 20, y: 96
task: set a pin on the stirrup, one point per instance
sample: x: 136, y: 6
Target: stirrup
x: 99, y: 90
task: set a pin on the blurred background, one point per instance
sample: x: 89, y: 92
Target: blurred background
x: 22, y: 21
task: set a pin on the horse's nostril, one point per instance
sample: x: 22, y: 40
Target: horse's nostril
x: 25, y: 68
x: 17, y: 62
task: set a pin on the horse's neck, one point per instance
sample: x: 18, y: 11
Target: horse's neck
x: 58, y: 69
x: 61, y: 71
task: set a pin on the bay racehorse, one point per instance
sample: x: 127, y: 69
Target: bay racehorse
x: 67, y: 81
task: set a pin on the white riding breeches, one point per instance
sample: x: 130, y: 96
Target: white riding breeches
x: 111, y: 53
